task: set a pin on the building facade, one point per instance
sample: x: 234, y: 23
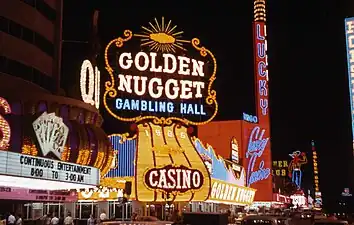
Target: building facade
x: 30, y: 39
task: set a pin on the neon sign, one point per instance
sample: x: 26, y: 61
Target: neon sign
x: 152, y: 78
x: 170, y: 178
x: 349, y: 32
x: 90, y: 92
x: 4, y: 125
x: 316, y: 180
x: 295, y: 173
x: 261, y: 67
x: 235, y: 155
x: 250, y: 118
x: 256, y: 146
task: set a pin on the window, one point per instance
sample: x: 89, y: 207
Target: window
x: 21, y: 32
x: 25, y: 72
x: 43, y: 44
x: 46, y: 10
x: 15, y: 29
x: 43, y: 8
x: 4, y: 24
x: 30, y: 2
x: 27, y: 35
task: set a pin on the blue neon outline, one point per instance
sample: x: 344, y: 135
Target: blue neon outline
x: 349, y: 77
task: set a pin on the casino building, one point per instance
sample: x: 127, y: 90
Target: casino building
x: 215, y: 184
x: 49, y: 143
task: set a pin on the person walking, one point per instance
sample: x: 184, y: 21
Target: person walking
x: 91, y: 220
x: 11, y: 220
x: 68, y: 220
x: 54, y: 220
x: 19, y: 220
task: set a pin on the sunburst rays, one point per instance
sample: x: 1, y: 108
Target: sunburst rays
x: 162, y: 37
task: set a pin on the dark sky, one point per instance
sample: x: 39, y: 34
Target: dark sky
x: 307, y: 67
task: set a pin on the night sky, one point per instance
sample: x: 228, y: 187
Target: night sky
x: 309, y: 96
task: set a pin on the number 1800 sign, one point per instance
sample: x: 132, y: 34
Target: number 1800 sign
x: 151, y: 77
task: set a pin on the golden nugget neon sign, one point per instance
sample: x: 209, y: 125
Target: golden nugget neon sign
x: 154, y: 79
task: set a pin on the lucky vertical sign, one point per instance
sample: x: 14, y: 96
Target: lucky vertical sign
x: 258, y: 151
x: 261, y: 71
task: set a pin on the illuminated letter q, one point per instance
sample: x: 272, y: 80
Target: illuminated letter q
x: 4, y: 125
x: 92, y: 95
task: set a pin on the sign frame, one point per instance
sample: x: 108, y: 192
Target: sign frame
x: 111, y: 91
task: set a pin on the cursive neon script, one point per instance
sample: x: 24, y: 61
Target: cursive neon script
x: 256, y: 147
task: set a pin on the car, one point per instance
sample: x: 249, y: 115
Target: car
x: 265, y: 220
x: 329, y: 222
x: 143, y: 220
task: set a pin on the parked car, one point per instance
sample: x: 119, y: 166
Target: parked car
x: 265, y: 220
x: 330, y: 222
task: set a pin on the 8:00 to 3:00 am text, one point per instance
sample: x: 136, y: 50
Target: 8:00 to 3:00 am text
x: 53, y: 170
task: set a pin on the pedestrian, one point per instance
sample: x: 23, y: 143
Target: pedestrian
x: 19, y: 220
x: 48, y: 218
x: 91, y: 220
x: 68, y: 220
x: 103, y: 216
x: 54, y: 220
x: 11, y: 220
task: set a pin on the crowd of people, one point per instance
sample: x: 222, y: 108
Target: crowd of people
x: 11, y: 219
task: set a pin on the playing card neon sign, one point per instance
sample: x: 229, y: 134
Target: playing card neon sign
x: 51, y: 133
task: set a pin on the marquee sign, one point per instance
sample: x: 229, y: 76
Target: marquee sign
x: 51, y: 133
x: 170, y: 178
x: 157, y: 75
x: 15, y: 164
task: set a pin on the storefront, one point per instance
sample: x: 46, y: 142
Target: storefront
x: 223, y: 188
x: 49, y: 145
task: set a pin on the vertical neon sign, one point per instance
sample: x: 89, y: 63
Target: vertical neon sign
x: 258, y: 152
x: 349, y: 34
x: 316, y: 179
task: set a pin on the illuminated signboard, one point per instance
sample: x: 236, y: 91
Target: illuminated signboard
x: 316, y: 179
x: 101, y: 194
x: 295, y: 167
x: 298, y: 200
x: 235, y: 154
x: 261, y: 70
x: 257, y: 144
x: 168, y: 166
x: 15, y: 164
x: 280, y: 168
x: 223, y: 192
x: 151, y: 77
x: 228, y: 179
x: 4, y: 125
x: 171, y: 179
x: 221, y: 169
x: 250, y: 118
x: 51, y: 133
x: 261, y: 180
x: 14, y: 193
x: 349, y: 33
x: 125, y: 149
x: 90, y: 91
